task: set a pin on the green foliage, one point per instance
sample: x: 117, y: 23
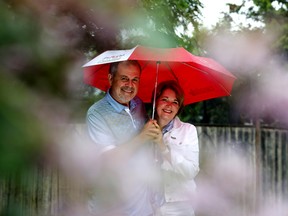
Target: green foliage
x: 214, y: 112
x: 169, y: 14
x: 21, y: 134
x: 276, y: 21
x: 36, y: 54
x: 159, y: 20
x: 272, y: 35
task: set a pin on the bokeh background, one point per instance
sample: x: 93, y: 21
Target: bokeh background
x: 43, y: 100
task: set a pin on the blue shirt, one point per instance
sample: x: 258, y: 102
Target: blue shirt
x: 111, y: 124
x: 168, y: 127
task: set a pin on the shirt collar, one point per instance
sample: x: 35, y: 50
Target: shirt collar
x: 168, y: 127
x: 117, y: 106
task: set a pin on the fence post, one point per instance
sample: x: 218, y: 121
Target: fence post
x: 258, y: 169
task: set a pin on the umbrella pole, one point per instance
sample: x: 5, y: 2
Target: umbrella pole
x: 155, y: 89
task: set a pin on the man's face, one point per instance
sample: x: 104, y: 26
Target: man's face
x: 125, y: 83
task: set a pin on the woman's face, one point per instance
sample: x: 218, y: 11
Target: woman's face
x: 167, y: 105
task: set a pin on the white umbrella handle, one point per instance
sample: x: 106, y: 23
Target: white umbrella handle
x: 155, y: 89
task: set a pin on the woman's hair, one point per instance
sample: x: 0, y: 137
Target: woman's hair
x: 174, y: 86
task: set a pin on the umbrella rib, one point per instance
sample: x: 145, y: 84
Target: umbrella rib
x: 92, y: 74
x: 171, y: 71
x: 211, y: 76
x: 145, y: 64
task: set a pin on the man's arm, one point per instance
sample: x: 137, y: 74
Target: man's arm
x: 109, y: 148
x: 121, y: 153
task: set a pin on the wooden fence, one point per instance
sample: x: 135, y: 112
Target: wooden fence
x: 48, y: 192
x: 270, y: 160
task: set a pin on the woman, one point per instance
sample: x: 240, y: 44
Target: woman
x: 179, y: 151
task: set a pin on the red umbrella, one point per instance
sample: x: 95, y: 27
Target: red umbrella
x: 201, y: 78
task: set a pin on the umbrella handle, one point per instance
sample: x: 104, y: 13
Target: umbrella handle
x: 155, y: 89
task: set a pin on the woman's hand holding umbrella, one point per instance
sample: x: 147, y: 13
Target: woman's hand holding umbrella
x: 150, y: 132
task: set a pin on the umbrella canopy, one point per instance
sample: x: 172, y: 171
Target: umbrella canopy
x: 201, y: 78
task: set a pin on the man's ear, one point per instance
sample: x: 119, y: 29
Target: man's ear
x: 110, y: 79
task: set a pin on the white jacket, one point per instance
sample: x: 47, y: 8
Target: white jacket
x: 179, y: 175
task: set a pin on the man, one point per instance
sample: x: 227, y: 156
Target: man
x: 114, y: 124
